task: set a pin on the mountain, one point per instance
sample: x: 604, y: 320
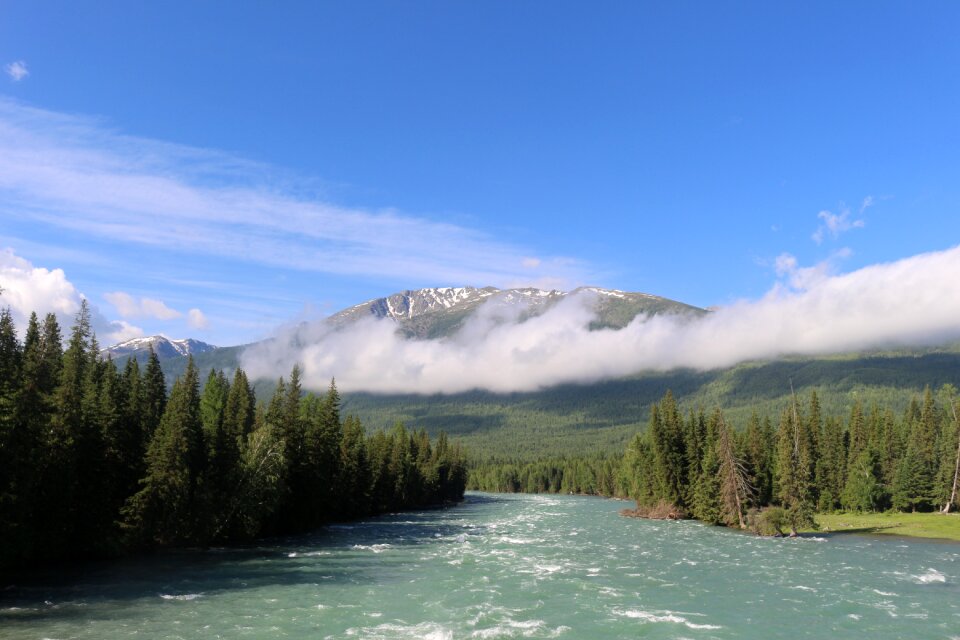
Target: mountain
x: 165, y: 348
x: 439, y: 312
x: 602, y: 416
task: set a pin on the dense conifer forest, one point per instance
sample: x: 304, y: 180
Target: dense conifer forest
x: 764, y: 476
x: 95, y: 462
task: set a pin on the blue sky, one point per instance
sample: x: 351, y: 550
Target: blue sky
x: 258, y: 164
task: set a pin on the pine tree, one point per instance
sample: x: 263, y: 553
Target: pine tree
x: 238, y: 414
x: 154, y: 401
x: 16, y: 449
x: 863, y: 491
x: 354, y: 470
x: 706, y: 494
x: 324, y: 434
x: 914, y: 486
x: 948, y: 475
x: 73, y: 445
x: 42, y: 361
x: 666, y: 445
x: 758, y: 456
x: 793, y: 469
x: 167, y: 510
x: 831, y: 466
x: 223, y: 453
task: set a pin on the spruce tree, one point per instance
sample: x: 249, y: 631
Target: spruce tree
x: 863, y: 491
x: 167, y: 510
x: 154, y: 400
x: 238, y: 414
x: 354, y: 470
x: 16, y: 449
x: 793, y: 469
x: 831, y: 466
x: 706, y: 494
x: 323, y: 437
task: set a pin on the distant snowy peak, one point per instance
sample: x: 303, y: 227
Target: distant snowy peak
x: 409, y: 304
x: 164, y: 347
x: 435, y: 312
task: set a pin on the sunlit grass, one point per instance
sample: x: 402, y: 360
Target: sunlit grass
x: 918, y: 525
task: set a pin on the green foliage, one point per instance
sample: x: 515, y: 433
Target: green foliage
x: 863, y: 491
x: 94, y: 462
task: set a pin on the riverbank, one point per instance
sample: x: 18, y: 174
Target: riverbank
x: 914, y: 525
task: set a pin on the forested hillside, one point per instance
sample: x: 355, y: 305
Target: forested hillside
x: 602, y: 417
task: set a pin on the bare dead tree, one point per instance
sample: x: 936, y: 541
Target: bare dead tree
x: 735, y: 488
x: 956, y: 468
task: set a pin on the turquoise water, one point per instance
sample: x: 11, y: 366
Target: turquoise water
x: 509, y: 567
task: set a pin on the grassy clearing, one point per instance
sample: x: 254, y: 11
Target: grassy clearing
x: 917, y: 525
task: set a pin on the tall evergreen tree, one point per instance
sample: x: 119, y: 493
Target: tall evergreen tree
x: 16, y: 448
x: 323, y: 437
x: 354, y: 470
x: 831, y: 466
x: 154, y: 399
x: 794, y: 458
x: 706, y: 495
x: 238, y: 414
x: 168, y: 508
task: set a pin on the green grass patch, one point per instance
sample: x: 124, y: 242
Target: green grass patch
x: 916, y: 525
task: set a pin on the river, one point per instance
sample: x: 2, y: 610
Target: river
x: 507, y: 566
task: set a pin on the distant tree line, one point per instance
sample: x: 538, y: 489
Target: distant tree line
x: 588, y: 475
x: 95, y: 462
x: 765, y: 477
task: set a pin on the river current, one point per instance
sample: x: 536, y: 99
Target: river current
x: 508, y: 566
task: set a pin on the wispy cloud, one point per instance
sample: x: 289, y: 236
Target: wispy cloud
x: 197, y: 320
x: 28, y: 289
x: 129, y: 307
x: 914, y: 301
x: 834, y: 224
x: 77, y: 174
x: 17, y: 70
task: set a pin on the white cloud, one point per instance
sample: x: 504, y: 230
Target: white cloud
x: 530, y: 263
x: 197, y: 320
x: 157, y: 309
x: 17, y: 70
x: 74, y: 174
x: 835, y: 224
x: 802, y: 278
x: 914, y: 301
x: 29, y: 289
x: 122, y: 331
x: 129, y: 307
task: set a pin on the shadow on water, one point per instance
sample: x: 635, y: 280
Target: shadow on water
x: 346, y: 553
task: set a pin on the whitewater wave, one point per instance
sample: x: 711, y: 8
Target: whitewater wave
x: 376, y: 548
x: 391, y: 631
x: 931, y: 576
x: 184, y: 596
x: 663, y: 616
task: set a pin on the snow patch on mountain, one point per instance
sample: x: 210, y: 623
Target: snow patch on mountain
x: 164, y: 347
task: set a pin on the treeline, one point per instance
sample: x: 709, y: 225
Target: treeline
x: 870, y: 461
x: 95, y: 461
x: 591, y: 475
x: 768, y: 476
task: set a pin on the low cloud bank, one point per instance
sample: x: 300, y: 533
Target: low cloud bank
x: 911, y: 302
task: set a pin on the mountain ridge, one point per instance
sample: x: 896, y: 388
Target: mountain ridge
x: 164, y: 347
